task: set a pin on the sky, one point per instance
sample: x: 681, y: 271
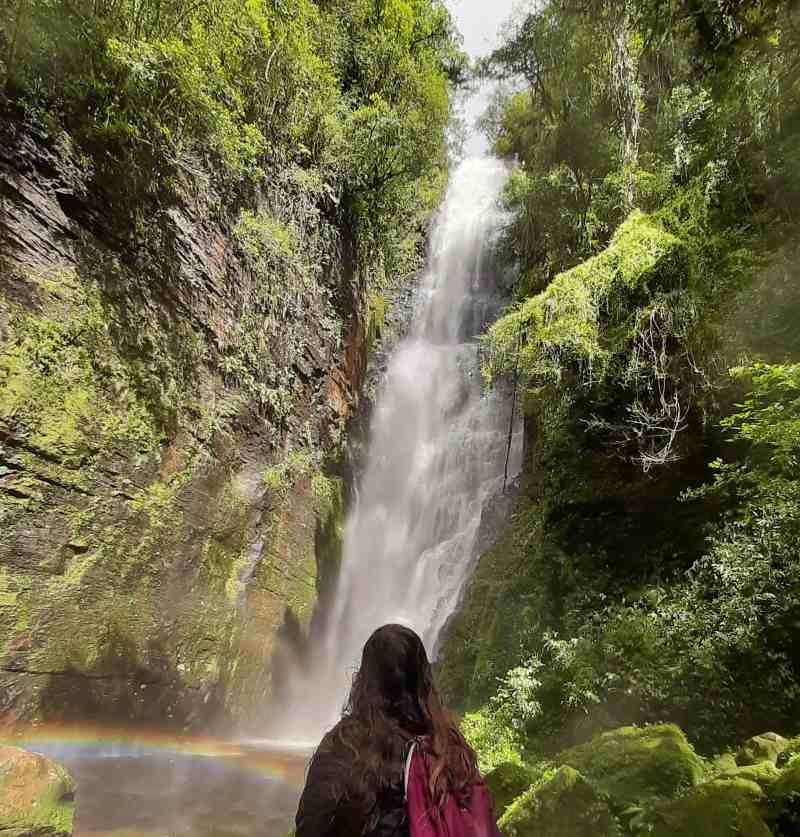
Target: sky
x: 479, y: 21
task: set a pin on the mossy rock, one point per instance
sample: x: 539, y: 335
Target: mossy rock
x: 36, y: 795
x: 719, y: 808
x: 724, y: 763
x: 634, y: 764
x: 564, y: 805
x: 791, y: 749
x: 506, y: 782
x: 765, y: 747
x: 784, y: 795
x: 764, y: 774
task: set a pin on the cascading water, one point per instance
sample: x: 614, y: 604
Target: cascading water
x: 437, y: 452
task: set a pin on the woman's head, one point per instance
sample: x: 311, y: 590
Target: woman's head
x: 392, y: 700
x: 394, y: 681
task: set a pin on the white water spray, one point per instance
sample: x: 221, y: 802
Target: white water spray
x: 437, y: 452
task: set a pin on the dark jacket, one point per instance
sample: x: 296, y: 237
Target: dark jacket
x: 323, y: 809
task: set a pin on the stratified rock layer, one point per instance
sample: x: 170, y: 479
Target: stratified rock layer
x: 161, y: 439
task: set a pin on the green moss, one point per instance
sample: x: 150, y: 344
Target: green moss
x: 77, y: 567
x: 785, y: 792
x: 301, y: 592
x: 36, y: 795
x: 764, y: 774
x: 327, y: 495
x: 493, y: 740
x: 766, y: 747
x: 376, y: 318
x: 718, y: 808
x: 564, y: 804
x: 55, y: 809
x: 263, y: 236
x: 64, y: 387
x: 8, y: 597
x: 634, y: 764
x: 791, y: 749
x: 506, y: 782
x: 569, y: 321
x: 157, y: 501
x: 724, y: 763
x: 296, y: 465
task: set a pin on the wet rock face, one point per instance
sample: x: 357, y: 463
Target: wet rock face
x: 145, y: 388
x: 36, y: 796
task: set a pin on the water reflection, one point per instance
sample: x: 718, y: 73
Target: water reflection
x: 134, y: 784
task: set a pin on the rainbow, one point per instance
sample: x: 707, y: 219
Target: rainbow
x: 61, y: 740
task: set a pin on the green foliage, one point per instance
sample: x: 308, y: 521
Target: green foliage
x: 506, y: 782
x: 354, y: 94
x: 492, y: 738
x: 297, y: 465
x: 769, y: 418
x: 650, y: 570
x: 64, y: 386
x: 561, y: 326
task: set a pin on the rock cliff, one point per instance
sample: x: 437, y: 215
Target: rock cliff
x: 166, y: 409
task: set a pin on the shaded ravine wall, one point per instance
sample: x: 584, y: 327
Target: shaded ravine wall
x: 157, y: 527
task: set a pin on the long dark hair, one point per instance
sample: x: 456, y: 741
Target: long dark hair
x: 392, y: 700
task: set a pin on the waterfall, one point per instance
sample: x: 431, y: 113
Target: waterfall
x: 437, y: 452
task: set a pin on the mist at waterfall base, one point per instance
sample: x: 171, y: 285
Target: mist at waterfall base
x: 135, y: 782
x: 438, y: 451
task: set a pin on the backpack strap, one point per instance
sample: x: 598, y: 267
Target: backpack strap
x: 407, y: 771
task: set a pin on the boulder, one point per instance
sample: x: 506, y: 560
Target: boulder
x: 764, y: 774
x: 792, y: 748
x: 719, y: 808
x: 633, y: 764
x: 765, y: 747
x: 506, y: 782
x: 36, y: 795
x: 724, y: 763
x: 563, y: 805
x: 784, y: 795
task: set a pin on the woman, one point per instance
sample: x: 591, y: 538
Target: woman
x: 355, y: 783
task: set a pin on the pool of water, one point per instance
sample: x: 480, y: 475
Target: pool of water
x: 176, y: 787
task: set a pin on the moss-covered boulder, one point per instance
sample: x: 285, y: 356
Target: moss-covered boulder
x: 506, y: 782
x: 764, y: 774
x: 765, y: 747
x: 724, y: 763
x: 719, y: 808
x: 791, y: 749
x: 633, y: 764
x: 36, y: 795
x: 784, y: 794
x: 564, y: 805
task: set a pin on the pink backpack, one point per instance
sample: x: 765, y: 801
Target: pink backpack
x: 425, y: 819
